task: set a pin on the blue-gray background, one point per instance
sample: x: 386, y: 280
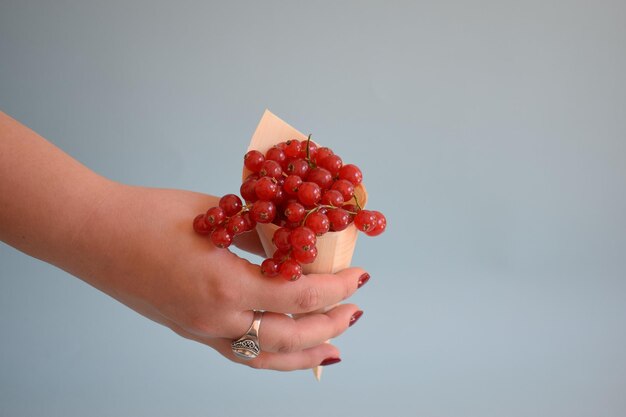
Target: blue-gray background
x: 491, y: 133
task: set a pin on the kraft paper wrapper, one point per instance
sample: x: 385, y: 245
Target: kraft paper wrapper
x: 334, y: 249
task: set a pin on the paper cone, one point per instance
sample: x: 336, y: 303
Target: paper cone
x: 334, y: 249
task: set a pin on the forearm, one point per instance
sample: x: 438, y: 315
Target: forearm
x: 46, y: 197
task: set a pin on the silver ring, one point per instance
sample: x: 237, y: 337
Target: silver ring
x: 247, y: 346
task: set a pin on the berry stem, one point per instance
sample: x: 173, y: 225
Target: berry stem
x: 308, y: 151
x: 356, y: 201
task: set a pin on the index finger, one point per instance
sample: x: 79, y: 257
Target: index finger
x: 310, y: 293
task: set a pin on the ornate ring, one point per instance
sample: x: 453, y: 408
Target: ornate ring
x: 247, y: 346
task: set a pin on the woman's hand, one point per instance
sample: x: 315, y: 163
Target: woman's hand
x: 137, y: 245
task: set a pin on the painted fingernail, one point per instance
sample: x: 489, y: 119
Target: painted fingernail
x: 355, y: 317
x: 363, y: 279
x: 330, y: 361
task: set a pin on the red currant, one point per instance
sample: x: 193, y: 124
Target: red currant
x: 332, y: 163
x: 294, y: 212
x: 309, y: 193
x: 302, y: 238
x: 312, y: 149
x: 250, y: 224
x: 247, y: 190
x: 332, y: 198
x: 275, y: 153
x: 236, y: 225
x: 200, y: 225
x: 322, y: 153
x: 345, y: 187
x: 291, y: 184
x: 266, y: 188
x: 365, y: 220
x: 253, y: 160
x: 339, y: 219
x: 263, y: 212
x: 221, y: 237
x: 381, y: 224
x: 351, y: 173
x: 290, y: 270
x: 298, y: 167
x: 231, y: 204
x: 321, y: 177
x: 281, y: 239
x: 292, y: 150
x: 214, y: 217
x: 271, y: 169
x: 318, y: 222
x: 269, y: 267
x: 305, y: 256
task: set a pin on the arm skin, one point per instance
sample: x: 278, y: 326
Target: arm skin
x: 136, y: 245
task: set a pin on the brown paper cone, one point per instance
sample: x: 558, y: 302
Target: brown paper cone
x: 334, y: 249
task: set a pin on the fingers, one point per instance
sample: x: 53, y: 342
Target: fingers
x: 310, y: 293
x: 304, y: 359
x: 283, y: 334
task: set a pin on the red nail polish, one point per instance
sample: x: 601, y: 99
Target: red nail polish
x: 363, y: 279
x: 357, y: 315
x: 330, y: 361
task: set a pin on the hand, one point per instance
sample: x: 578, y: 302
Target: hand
x: 154, y: 263
x: 137, y: 245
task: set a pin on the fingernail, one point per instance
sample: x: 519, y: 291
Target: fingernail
x: 330, y: 361
x: 355, y: 317
x: 363, y: 279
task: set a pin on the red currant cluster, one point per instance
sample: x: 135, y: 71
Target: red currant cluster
x: 304, y: 189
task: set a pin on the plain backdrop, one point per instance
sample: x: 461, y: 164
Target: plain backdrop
x: 491, y: 133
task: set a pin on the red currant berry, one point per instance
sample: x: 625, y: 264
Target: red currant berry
x: 250, y: 224
x: 247, y: 190
x: 281, y: 197
x: 266, y: 188
x: 214, y: 217
x: 302, y: 238
x: 339, y: 219
x: 332, y: 163
x: 271, y: 169
x: 312, y: 149
x: 280, y: 255
x: 365, y: 220
x: 200, y: 225
x: 231, y: 204
x: 321, y: 177
x: 322, y: 153
x: 275, y: 154
x: 294, y: 212
x: 352, y: 210
x: 292, y: 150
x: 309, y: 194
x: 298, y: 167
x: 345, y: 187
x: 305, y: 256
x: 281, y: 239
x: 317, y: 222
x: 253, y: 160
x: 263, y: 212
x: 332, y: 198
x: 381, y: 224
x: 236, y: 225
x: 269, y: 267
x: 291, y: 185
x: 351, y: 173
x: 290, y: 270
x: 221, y: 237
